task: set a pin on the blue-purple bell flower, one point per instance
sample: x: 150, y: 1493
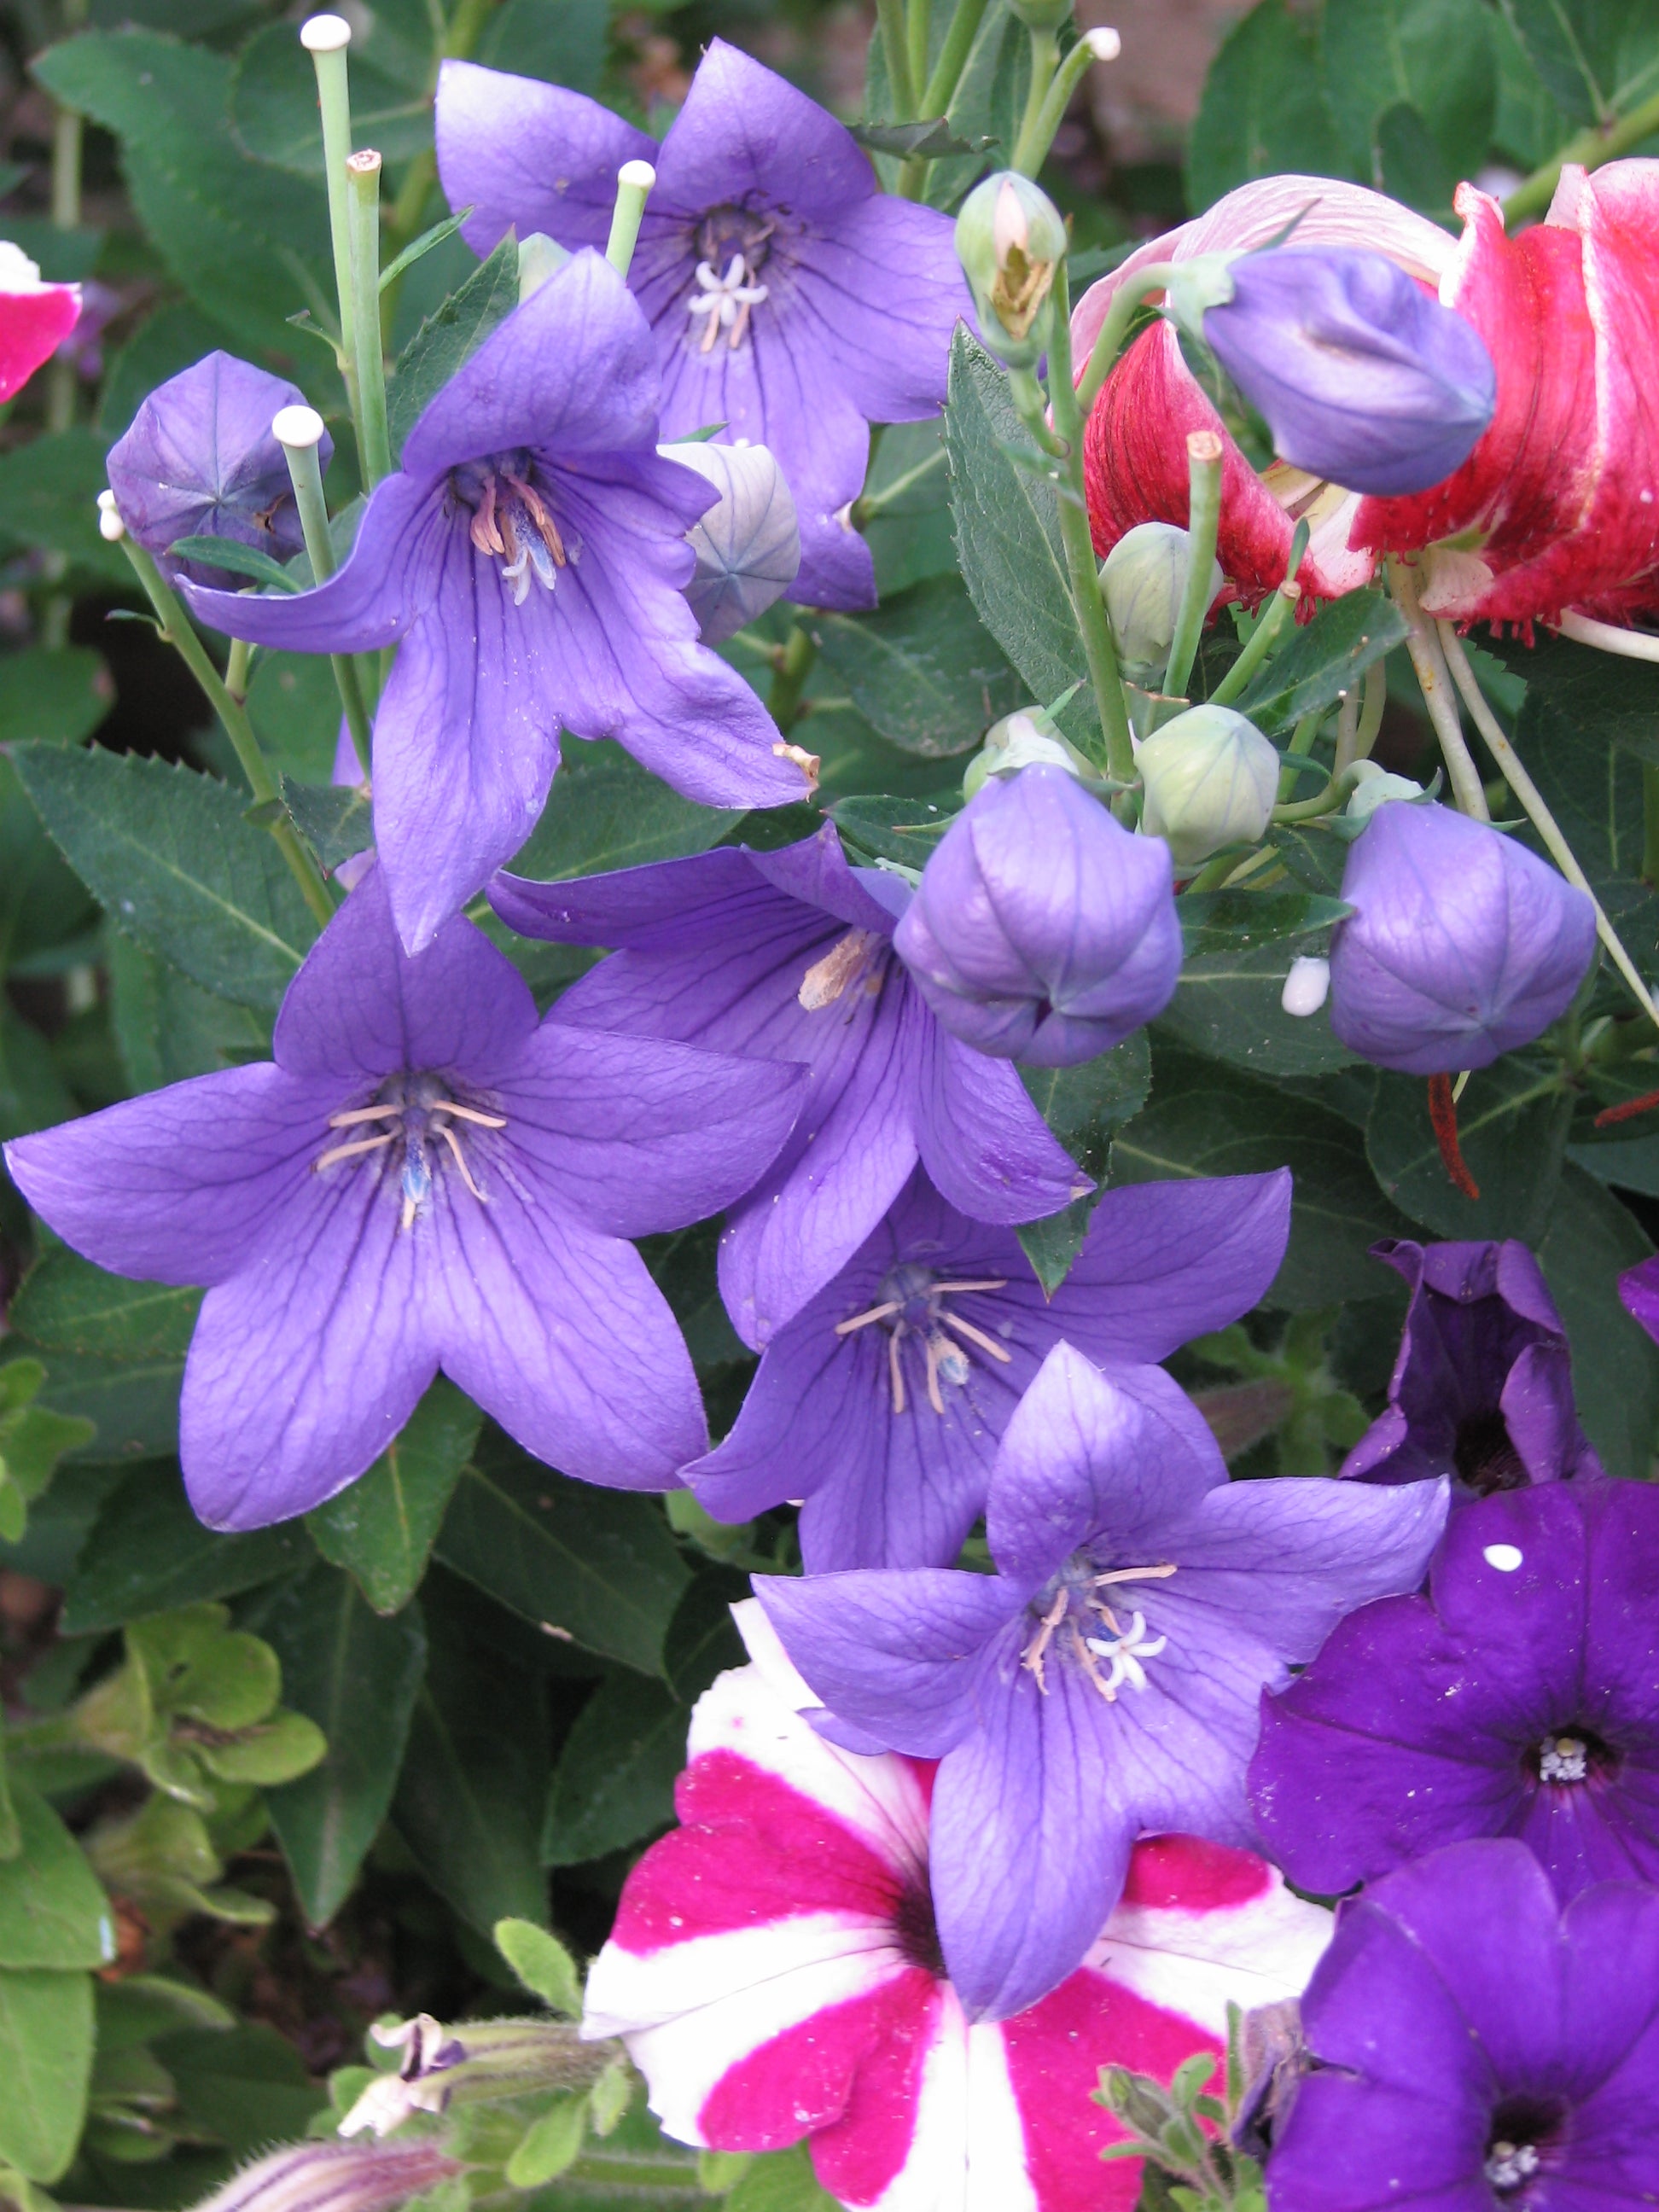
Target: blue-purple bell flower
x: 1462, y: 945
x: 1363, y: 377
x: 1042, y: 931
x: 200, y: 461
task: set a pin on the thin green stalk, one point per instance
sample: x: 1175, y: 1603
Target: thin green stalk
x: 1650, y: 824
x: 895, y: 53
x: 1045, y: 60
x: 1108, y: 342
x: 1269, y: 623
x: 1032, y: 408
x: 1589, y: 150
x: 364, y: 178
x: 1538, y: 813
x: 1081, y: 566
x: 1301, y: 744
x: 633, y: 183
x: 326, y: 38
x: 871, y: 503
x: 236, y: 669
x: 1435, y: 683
x: 1324, y: 802
x: 1204, y: 454
x: 297, y: 430
x: 918, y: 23
x: 941, y: 86
x: 67, y: 146
x: 176, y: 629
x: 789, y: 682
x: 1029, y: 154
x: 1358, y: 732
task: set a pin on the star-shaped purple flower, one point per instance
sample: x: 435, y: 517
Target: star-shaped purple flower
x: 1476, y: 2049
x: 1482, y: 1389
x: 882, y: 1403
x: 791, y: 300
x: 1104, y: 1681
x: 1519, y: 1697
x: 789, y: 955
x: 531, y: 557
x: 425, y: 1176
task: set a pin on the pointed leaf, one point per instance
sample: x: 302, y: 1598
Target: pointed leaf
x: 46, y: 2064
x: 541, y: 1964
x: 381, y: 1529
x: 53, y: 1912
x: 614, y: 1784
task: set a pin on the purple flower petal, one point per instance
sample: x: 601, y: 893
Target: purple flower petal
x: 495, y: 133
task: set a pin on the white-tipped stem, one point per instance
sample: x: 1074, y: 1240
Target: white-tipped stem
x: 1038, y: 133
x: 297, y: 426
x: 1538, y: 813
x: 634, y: 182
x: 325, y: 35
x: 325, y: 38
x: 363, y: 181
x: 1608, y: 637
x: 1438, y: 697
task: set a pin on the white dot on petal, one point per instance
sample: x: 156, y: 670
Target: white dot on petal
x: 1504, y: 1556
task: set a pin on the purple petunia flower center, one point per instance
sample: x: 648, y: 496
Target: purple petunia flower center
x: 1485, y: 1456
x: 732, y: 244
x: 1573, y: 1755
x: 1524, y: 2131
x: 1074, y: 1622
x: 416, y: 1123
x: 911, y: 1305
x: 917, y: 1930
x: 513, y: 520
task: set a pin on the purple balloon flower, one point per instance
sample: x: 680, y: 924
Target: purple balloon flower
x: 1104, y: 1681
x: 1475, y: 2047
x: 425, y: 1176
x: 883, y: 1401
x: 199, y: 461
x: 1042, y: 931
x: 1638, y: 1292
x: 790, y: 300
x: 1519, y: 1697
x: 1462, y: 944
x: 1482, y: 1387
x: 1363, y: 377
x: 789, y: 955
x: 532, y: 556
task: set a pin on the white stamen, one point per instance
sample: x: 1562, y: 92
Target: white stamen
x: 350, y: 1152
x: 1125, y: 1653
x: 1565, y: 1759
x: 1510, y: 2164
x: 725, y: 301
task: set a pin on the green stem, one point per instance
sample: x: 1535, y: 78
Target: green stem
x: 633, y: 183
x: 873, y: 502
x: 1081, y: 566
x: 1045, y: 60
x: 1269, y: 623
x: 236, y: 668
x: 918, y: 23
x: 1204, y: 452
x: 794, y: 666
x: 328, y: 38
x: 941, y: 86
x: 1435, y: 683
x: 1030, y: 152
x: 176, y: 629
x: 1589, y: 150
x: 1301, y: 744
x: 1032, y: 408
x: 1215, y: 872
x: 1109, y: 343
x: 895, y: 53
x: 305, y: 473
x: 1650, y: 824
x: 364, y: 178
x: 1538, y: 813
x: 1325, y: 802
x: 1358, y: 733
x: 68, y: 136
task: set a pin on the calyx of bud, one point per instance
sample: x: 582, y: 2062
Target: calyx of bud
x: 1372, y: 785
x: 1210, y: 779
x: 1142, y: 579
x: 1020, y: 740
x: 1011, y: 240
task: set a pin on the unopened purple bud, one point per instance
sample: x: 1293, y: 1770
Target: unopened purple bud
x: 1042, y: 932
x: 747, y: 544
x: 328, y: 2176
x: 1462, y: 945
x: 1362, y: 378
x: 200, y: 461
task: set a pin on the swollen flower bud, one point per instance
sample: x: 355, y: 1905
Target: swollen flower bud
x: 1042, y: 931
x: 1362, y: 376
x: 334, y: 2177
x: 1142, y: 580
x: 1010, y: 241
x: 1462, y: 945
x: 476, y: 2062
x: 1023, y: 739
x: 1211, y: 779
x: 747, y: 544
x: 201, y: 460
x: 1373, y: 787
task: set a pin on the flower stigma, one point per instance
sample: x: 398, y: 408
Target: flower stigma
x: 418, y: 1110
x: 732, y: 247
x: 512, y: 523
x: 1070, y: 1614
x: 910, y: 1301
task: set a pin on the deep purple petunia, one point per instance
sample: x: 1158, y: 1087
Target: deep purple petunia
x: 882, y: 1403
x: 789, y: 955
x: 1482, y: 1387
x: 424, y: 1176
x: 200, y: 461
x: 1104, y: 1682
x: 1519, y: 1697
x: 1638, y: 1293
x: 1477, y: 2049
x: 531, y: 557
x: 791, y: 300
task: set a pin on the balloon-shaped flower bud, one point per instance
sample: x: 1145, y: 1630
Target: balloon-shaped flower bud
x: 1142, y: 579
x: 1210, y: 778
x: 201, y: 461
x: 1363, y: 377
x: 1461, y: 945
x: 1026, y: 738
x: 1042, y: 932
x: 747, y: 544
x: 1373, y: 787
x: 1011, y: 240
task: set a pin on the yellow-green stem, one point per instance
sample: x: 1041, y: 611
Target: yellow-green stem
x: 364, y: 180
x: 1589, y: 150
x: 918, y: 23
x: 633, y: 183
x: 1108, y: 341
x: 1045, y: 60
x: 1434, y: 680
x: 789, y: 681
x: 305, y: 473
x: 1270, y: 621
x: 328, y: 55
x: 1031, y: 151
x: 895, y: 53
x: 941, y: 86
x: 1204, y: 454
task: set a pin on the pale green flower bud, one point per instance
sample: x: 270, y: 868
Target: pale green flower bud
x: 1142, y: 579
x: 1010, y: 241
x: 747, y: 544
x: 1373, y: 787
x: 1196, y: 285
x: 1211, y: 779
x: 1018, y: 740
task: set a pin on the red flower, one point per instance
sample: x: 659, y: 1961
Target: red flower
x: 34, y: 318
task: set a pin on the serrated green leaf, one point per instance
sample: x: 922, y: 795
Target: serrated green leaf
x: 49, y: 491
x: 921, y: 669
x: 563, y: 43
x: 147, y: 1553
x: 168, y: 855
x: 380, y: 1529
x: 336, y: 820
x: 1324, y: 659
x: 449, y: 337
x: 702, y: 1639
x: 541, y: 1964
x: 1084, y: 1107
x: 1573, y: 46
x: 46, y: 2063
x: 240, y: 560
x: 1512, y: 1122
x: 1264, y: 109
x: 606, y: 812
x: 58, y: 697
x: 927, y: 141
x: 53, y: 1912
x: 614, y: 1784
x: 66, y: 1304
x: 903, y: 829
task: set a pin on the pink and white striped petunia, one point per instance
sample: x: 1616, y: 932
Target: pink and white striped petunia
x: 35, y: 317
x: 775, y: 1973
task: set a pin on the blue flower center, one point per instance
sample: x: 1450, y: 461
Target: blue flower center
x: 1075, y: 1622
x: 1572, y: 1755
x: 910, y: 1305
x: 1524, y: 2130
x: 420, y: 1113
x: 733, y: 244
x: 513, y: 521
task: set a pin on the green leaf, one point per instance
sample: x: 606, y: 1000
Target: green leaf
x: 541, y: 1964
x: 46, y: 2063
x: 163, y: 343
x: 1408, y: 166
x: 1573, y: 46
x: 335, y: 819
x: 1205, y: 1120
x: 380, y: 1529
x: 1434, y: 56
x: 273, y: 105
x: 562, y: 41
x: 1264, y: 109
x: 606, y: 812
x: 166, y: 1029
x: 908, y: 527
x: 1228, y: 1004
x: 418, y: 248
x: 550, y: 2144
x: 1084, y: 1107
x: 66, y: 1304
x: 48, y: 502
x: 702, y: 1639
x: 449, y: 337
x: 168, y: 855
x: 132, y: 1404
x: 11, y: 1835
x: 246, y: 2088
x: 1589, y: 1242
x: 241, y: 559
x: 597, y: 1565
x: 921, y: 669
x: 1595, y: 791
x: 1602, y: 695
x: 357, y: 1676
x: 58, y: 697
x: 147, y: 1553
x: 780, y: 2181
x: 614, y: 1784
x: 294, y: 704
x: 1512, y: 1130
x: 1323, y: 660
x: 902, y: 829
x: 928, y: 142
x: 1007, y: 524
x: 53, y: 1912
